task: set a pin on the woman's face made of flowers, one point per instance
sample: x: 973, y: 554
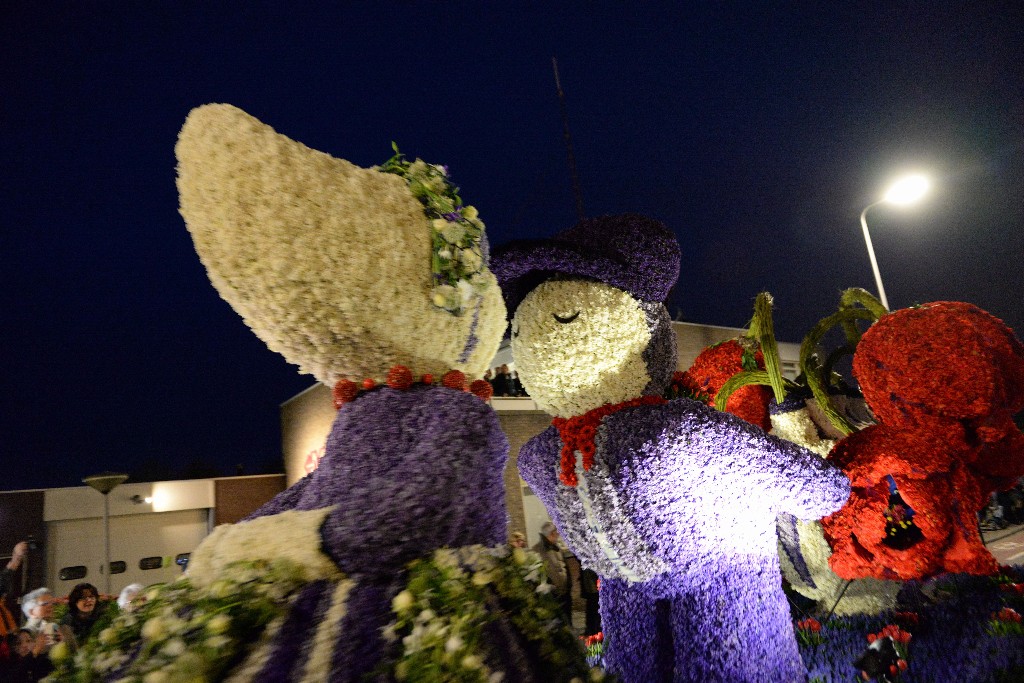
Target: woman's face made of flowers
x: 579, y: 345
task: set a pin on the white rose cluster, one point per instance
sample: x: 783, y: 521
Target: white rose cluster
x: 327, y: 262
x: 293, y: 534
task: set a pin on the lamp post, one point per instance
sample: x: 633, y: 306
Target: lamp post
x: 904, y: 191
x: 105, y: 483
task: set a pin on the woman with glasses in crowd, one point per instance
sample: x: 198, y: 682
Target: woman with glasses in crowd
x: 83, y: 611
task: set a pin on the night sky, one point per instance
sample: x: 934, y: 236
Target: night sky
x: 758, y: 134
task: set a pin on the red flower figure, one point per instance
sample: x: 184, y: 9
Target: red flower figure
x: 482, y: 389
x: 944, y: 380
x: 454, y: 379
x: 344, y: 391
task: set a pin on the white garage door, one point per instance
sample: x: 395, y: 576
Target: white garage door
x: 134, y: 539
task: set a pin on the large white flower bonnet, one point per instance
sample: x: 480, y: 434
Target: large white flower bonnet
x: 327, y: 262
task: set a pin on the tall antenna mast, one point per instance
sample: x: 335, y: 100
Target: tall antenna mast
x: 577, y: 193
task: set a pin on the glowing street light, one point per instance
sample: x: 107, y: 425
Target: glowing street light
x: 904, y: 191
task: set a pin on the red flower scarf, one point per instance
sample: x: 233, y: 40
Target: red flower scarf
x: 577, y: 434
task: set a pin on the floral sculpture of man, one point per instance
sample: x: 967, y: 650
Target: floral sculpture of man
x: 672, y: 503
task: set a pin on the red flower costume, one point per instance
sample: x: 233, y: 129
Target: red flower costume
x: 713, y: 368
x: 944, y: 380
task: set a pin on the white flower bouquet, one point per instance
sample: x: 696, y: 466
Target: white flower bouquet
x: 184, y: 632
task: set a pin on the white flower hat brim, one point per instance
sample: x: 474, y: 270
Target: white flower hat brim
x: 327, y: 262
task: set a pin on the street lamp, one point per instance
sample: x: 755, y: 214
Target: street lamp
x: 904, y: 191
x: 105, y: 483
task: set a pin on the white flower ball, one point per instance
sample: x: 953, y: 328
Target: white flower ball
x: 402, y: 601
x: 154, y: 629
x: 472, y: 662
x: 218, y: 624
x: 158, y: 676
x: 173, y: 647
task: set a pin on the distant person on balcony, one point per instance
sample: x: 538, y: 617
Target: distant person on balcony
x: 517, y: 386
x: 500, y: 381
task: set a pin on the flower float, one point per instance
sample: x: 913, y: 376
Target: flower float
x: 952, y: 639
x: 324, y: 260
x: 671, y: 502
x: 443, y: 617
x: 886, y: 656
x: 944, y: 380
x: 376, y: 282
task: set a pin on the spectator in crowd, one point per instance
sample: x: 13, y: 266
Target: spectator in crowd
x: 550, y: 551
x: 517, y: 386
x: 506, y: 377
x: 1012, y: 502
x: 131, y: 597
x: 83, y: 611
x: 8, y: 624
x: 38, y: 608
x: 29, y: 661
x: 500, y: 381
x: 517, y: 539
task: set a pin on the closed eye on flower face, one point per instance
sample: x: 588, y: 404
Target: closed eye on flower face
x: 565, y: 320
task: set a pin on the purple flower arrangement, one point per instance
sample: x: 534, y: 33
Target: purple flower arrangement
x: 408, y: 472
x: 678, y: 516
x: 951, y: 640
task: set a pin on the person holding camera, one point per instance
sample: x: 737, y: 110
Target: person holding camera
x: 8, y: 624
x: 28, y: 662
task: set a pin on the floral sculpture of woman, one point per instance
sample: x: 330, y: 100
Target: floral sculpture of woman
x: 331, y: 265
x: 672, y: 503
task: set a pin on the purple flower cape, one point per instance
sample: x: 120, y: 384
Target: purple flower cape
x: 678, y: 517
x: 409, y: 472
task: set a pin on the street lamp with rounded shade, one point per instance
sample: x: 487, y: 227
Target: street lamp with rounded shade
x: 907, y: 190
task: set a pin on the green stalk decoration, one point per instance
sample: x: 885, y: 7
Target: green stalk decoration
x: 742, y: 379
x: 813, y: 371
x: 769, y: 348
x: 836, y: 355
x: 855, y: 295
x: 762, y: 329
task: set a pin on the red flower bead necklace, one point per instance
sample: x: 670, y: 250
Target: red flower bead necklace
x: 400, y: 377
